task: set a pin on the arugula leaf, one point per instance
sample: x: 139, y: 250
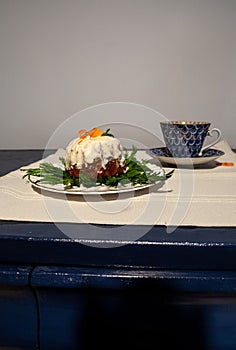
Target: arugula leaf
x: 138, y: 173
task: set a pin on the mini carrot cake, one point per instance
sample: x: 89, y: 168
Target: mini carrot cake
x: 95, y: 153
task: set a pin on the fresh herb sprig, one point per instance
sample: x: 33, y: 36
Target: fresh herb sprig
x: 138, y: 173
x: 47, y: 173
x: 107, y: 133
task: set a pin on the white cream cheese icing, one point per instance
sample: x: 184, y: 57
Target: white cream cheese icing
x: 79, y: 153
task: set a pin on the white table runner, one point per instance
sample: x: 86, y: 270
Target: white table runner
x: 200, y: 197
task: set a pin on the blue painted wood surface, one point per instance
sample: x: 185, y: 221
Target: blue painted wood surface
x: 18, y: 309
x: 140, y: 316
x: 86, y: 308
x: 186, y: 248
x: 184, y: 281
x: 163, y: 290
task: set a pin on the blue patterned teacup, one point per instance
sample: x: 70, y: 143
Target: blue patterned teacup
x: 184, y: 139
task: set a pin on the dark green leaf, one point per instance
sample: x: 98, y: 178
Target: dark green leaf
x: 137, y: 172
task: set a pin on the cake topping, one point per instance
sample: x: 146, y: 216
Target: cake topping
x: 95, y: 132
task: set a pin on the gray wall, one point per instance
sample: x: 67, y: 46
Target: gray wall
x: 61, y: 56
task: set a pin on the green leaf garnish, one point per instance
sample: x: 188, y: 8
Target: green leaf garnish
x: 107, y: 133
x: 138, y: 173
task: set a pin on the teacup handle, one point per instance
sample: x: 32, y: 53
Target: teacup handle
x: 214, y: 142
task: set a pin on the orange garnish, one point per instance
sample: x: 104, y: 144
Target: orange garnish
x: 82, y: 133
x: 225, y: 163
x: 95, y: 132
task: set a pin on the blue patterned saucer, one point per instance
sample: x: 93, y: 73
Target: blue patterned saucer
x: 164, y: 156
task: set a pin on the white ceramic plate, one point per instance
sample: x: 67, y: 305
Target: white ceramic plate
x: 162, y: 154
x: 98, y: 190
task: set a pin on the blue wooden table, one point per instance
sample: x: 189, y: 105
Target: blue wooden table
x: 163, y: 290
